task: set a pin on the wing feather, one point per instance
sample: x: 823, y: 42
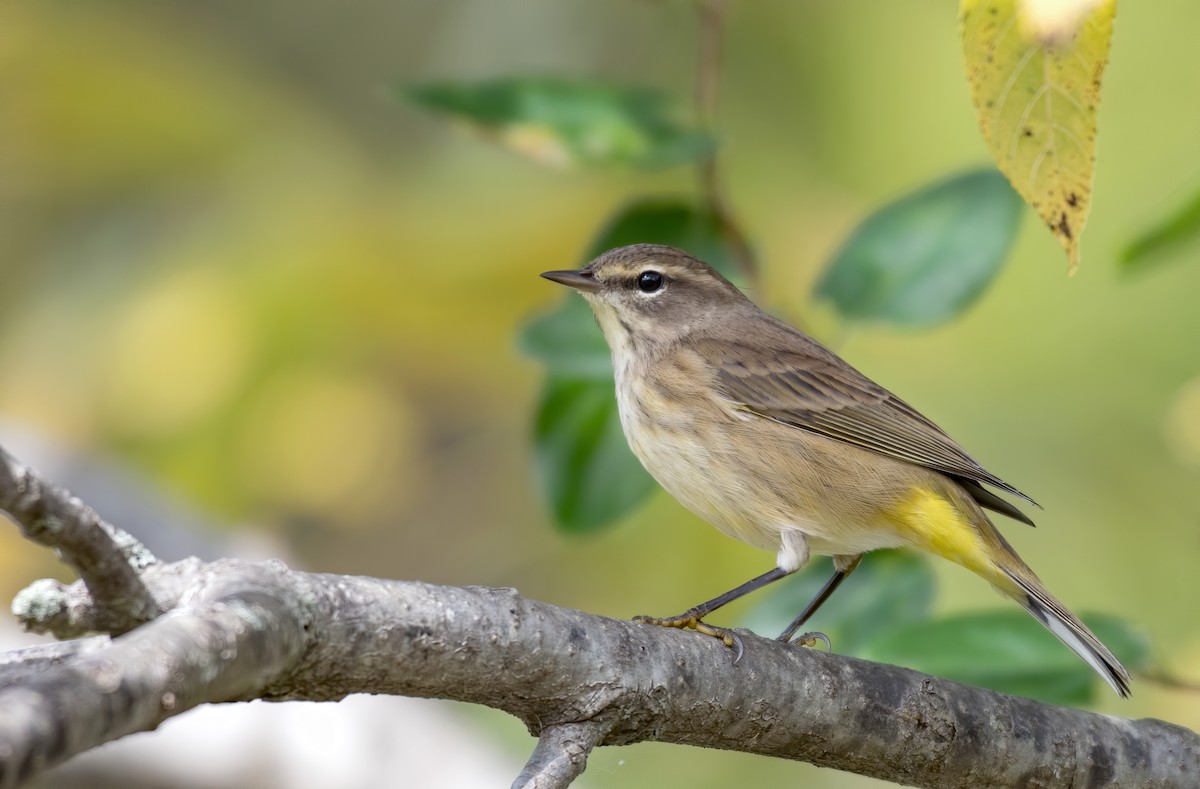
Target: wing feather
x: 810, y: 388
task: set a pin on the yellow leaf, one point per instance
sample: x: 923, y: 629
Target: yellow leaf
x: 1034, y: 67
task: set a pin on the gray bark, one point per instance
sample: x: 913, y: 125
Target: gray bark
x: 105, y: 557
x: 240, y: 630
x: 235, y: 630
x: 561, y: 755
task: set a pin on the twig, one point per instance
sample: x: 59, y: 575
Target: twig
x: 242, y: 630
x: 708, y: 81
x: 561, y: 755
x: 106, y: 558
x: 1164, y: 678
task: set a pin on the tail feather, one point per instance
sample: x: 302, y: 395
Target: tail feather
x: 1069, y: 630
x: 950, y: 522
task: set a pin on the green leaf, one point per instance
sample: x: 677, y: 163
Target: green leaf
x: 568, y: 341
x: 889, y: 589
x: 1183, y: 226
x: 1034, y: 67
x: 1008, y: 651
x: 925, y: 258
x: 588, y: 472
x: 669, y: 221
x: 560, y: 122
x: 590, y: 475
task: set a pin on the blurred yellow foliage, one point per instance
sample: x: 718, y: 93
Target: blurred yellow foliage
x: 94, y: 101
x: 181, y: 350
x: 327, y: 442
x: 197, y: 350
x: 1182, y: 425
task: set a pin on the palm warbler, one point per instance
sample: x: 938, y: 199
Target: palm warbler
x: 778, y: 442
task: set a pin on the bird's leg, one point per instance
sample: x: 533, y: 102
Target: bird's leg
x: 690, y: 619
x: 842, y: 566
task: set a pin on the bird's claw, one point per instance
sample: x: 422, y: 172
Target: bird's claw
x: 727, y: 637
x: 691, y: 621
x: 811, y: 639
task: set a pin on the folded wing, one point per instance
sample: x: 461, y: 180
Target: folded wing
x: 812, y: 389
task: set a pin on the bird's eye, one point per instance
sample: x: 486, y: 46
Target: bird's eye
x: 649, y: 281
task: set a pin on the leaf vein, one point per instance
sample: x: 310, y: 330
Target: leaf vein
x: 1012, y: 78
x: 1029, y: 108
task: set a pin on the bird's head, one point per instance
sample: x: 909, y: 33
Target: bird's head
x: 649, y: 293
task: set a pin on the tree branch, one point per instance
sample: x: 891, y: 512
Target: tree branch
x: 561, y: 755
x: 106, y: 558
x: 237, y: 630
x: 20, y: 665
x: 242, y: 630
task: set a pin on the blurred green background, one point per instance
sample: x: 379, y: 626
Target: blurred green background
x: 233, y: 262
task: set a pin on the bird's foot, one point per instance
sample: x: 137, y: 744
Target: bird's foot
x: 808, y: 640
x: 690, y: 620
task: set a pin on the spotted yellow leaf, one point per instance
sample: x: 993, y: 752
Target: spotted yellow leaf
x: 1034, y: 67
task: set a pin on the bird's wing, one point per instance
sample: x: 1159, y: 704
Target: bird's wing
x: 812, y: 389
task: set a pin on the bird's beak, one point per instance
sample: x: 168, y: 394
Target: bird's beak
x: 582, y: 281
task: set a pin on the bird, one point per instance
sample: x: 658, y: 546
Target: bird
x: 778, y: 442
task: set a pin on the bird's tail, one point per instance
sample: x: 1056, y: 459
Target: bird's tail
x: 1069, y: 630
x: 950, y: 523
x: 1013, y: 578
